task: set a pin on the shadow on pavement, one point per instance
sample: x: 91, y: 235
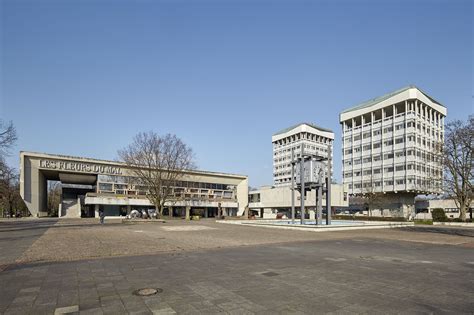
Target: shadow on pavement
x: 469, y: 232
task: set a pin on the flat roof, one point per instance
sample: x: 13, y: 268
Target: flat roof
x: 297, y: 125
x: 117, y: 163
x: 382, y: 98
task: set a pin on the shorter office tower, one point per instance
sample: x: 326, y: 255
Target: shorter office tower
x: 390, y: 149
x: 314, y: 139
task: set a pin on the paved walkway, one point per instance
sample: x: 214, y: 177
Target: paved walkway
x: 331, y: 275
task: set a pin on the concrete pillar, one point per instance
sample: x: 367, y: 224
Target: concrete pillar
x: 96, y: 211
x: 206, y: 212
x: 188, y: 211
x: 129, y: 209
x: 78, y: 208
x: 170, y: 212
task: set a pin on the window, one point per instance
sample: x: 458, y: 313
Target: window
x: 399, y: 140
x: 376, y: 132
x: 400, y: 154
x: 400, y: 168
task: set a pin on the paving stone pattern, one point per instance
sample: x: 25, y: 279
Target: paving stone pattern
x: 330, y: 275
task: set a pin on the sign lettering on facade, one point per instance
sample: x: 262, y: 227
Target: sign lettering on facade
x: 80, y: 167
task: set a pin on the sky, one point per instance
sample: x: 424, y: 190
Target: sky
x: 83, y: 77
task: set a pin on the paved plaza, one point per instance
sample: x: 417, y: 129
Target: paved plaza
x: 78, y: 266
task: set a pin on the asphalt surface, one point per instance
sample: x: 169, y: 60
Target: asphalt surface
x: 370, y: 272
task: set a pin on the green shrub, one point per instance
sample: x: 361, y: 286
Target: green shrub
x: 438, y: 215
x: 423, y: 222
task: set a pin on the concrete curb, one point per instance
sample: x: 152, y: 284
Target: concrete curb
x: 465, y: 224
x: 323, y: 228
x: 139, y: 221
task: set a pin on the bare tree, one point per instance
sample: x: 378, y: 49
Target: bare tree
x: 371, y: 197
x: 10, y: 200
x: 8, y: 138
x: 9, y: 178
x: 458, y: 163
x: 54, y: 197
x: 158, y: 162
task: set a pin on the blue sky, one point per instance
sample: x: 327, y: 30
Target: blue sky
x: 83, y: 77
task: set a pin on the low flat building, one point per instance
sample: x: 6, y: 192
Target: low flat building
x: 267, y: 201
x: 424, y: 208
x: 90, y: 185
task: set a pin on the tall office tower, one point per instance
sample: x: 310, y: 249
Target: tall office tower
x: 315, y: 140
x: 390, y: 145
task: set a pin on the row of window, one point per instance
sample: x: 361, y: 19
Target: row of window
x: 302, y: 136
x: 127, y: 181
x: 419, y: 153
x: 410, y: 181
x: 297, y: 150
x: 421, y: 120
x: 421, y: 130
x: 435, y: 172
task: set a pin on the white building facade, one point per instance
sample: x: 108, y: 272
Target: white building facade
x: 314, y: 139
x: 268, y: 201
x: 390, y: 144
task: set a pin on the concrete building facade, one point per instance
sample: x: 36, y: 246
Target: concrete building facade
x: 314, y: 139
x: 424, y: 208
x: 389, y: 146
x: 267, y: 201
x: 89, y: 185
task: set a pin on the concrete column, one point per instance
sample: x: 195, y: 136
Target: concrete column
x: 382, y: 171
x: 129, y: 209
x: 188, y: 211
x: 394, y: 110
x: 319, y: 209
x: 406, y: 145
x: 96, y: 211
x: 78, y: 208
x: 206, y: 212
x: 352, y: 154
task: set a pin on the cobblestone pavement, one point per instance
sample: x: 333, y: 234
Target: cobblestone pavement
x: 244, y: 270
